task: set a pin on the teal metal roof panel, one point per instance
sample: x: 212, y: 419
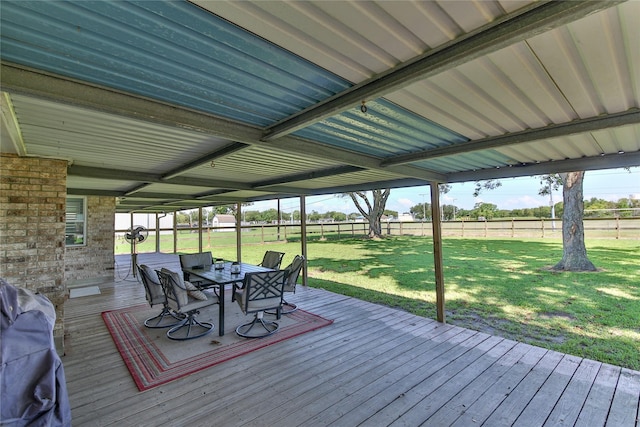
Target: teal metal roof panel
x: 171, y: 51
x: 468, y: 161
x: 385, y: 129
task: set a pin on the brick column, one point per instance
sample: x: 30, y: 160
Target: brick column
x: 32, y: 228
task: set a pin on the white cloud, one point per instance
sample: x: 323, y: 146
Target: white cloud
x: 406, y: 203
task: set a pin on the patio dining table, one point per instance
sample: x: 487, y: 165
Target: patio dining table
x: 220, y: 278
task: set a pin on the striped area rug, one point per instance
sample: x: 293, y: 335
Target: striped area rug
x: 153, y: 359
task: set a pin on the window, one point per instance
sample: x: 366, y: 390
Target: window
x: 76, y: 227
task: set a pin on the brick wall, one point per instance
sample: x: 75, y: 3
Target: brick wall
x: 32, y: 223
x: 94, y: 262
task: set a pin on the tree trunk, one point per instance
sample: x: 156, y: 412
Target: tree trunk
x: 574, y: 252
x: 374, y: 210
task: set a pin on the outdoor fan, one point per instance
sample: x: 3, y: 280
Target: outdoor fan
x: 134, y: 235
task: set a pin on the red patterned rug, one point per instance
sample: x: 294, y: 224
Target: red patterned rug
x: 153, y: 359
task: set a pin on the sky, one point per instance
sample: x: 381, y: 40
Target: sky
x: 515, y: 193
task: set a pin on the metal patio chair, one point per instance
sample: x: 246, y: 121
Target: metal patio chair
x: 272, y: 259
x: 154, y: 293
x: 183, y: 297
x: 261, y: 291
x: 293, y: 272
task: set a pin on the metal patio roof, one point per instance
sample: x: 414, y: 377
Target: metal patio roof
x: 175, y: 105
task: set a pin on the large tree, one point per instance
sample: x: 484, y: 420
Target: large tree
x: 372, y: 209
x: 574, y: 251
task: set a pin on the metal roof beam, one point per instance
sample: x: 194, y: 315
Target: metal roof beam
x: 18, y: 79
x: 308, y: 175
x: 88, y: 192
x: 631, y: 116
x: 231, y: 148
x: 147, y: 178
x: 314, y: 149
x: 505, y: 31
x: 395, y: 183
x: 610, y: 161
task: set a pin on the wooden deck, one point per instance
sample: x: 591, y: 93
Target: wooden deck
x: 375, y: 366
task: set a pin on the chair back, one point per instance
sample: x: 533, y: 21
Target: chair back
x: 152, y: 286
x: 272, y: 259
x: 263, y: 290
x: 174, y: 288
x: 203, y: 259
x: 293, y: 272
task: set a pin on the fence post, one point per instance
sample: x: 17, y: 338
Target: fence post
x: 486, y: 228
x: 321, y: 231
x: 542, y: 219
x: 617, y: 228
x: 262, y: 233
x: 338, y: 231
x: 175, y: 233
x: 513, y: 231
x: 462, y: 228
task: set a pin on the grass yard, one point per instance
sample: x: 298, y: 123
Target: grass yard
x: 499, y: 286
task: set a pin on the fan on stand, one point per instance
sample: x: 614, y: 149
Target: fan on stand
x: 134, y: 235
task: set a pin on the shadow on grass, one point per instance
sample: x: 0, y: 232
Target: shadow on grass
x: 502, y: 287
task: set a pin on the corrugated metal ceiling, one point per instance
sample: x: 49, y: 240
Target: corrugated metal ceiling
x: 270, y: 93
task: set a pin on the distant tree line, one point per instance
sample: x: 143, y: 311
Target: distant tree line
x: 593, y: 208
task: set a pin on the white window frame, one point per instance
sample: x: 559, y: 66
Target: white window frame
x: 76, y: 223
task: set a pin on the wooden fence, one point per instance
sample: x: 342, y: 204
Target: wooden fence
x: 185, y: 240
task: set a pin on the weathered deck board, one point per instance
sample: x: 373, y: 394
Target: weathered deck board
x: 594, y: 411
x: 373, y: 366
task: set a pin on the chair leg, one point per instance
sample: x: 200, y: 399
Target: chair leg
x: 193, y: 328
x: 269, y: 327
x: 158, y: 322
x: 287, y: 308
x: 235, y: 286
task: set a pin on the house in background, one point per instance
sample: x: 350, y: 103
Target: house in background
x: 405, y: 217
x: 221, y: 220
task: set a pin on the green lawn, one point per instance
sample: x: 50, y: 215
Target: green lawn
x: 500, y: 286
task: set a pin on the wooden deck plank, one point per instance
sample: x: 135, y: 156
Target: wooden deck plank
x: 304, y: 389
x: 521, y: 394
x: 439, y: 397
x: 381, y: 378
x: 624, y: 408
x: 494, y: 395
x: 465, y: 397
x: 440, y: 371
x: 374, y: 365
x: 545, y: 399
x: 596, y: 406
x: 357, y: 407
x: 570, y: 403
